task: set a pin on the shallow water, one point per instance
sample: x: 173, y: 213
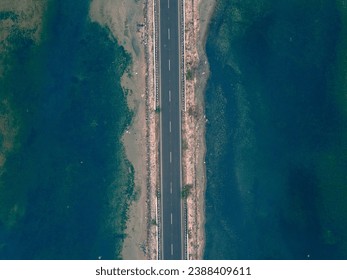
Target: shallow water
x: 68, y: 181
x: 276, y: 139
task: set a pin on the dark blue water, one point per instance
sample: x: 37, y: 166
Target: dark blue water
x: 68, y: 180
x: 273, y: 124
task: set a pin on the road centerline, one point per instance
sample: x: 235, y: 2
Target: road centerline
x: 170, y: 130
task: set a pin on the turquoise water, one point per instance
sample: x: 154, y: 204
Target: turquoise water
x: 274, y: 124
x: 68, y: 178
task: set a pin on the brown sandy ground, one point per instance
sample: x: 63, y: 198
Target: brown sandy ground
x: 131, y: 23
x: 197, y: 16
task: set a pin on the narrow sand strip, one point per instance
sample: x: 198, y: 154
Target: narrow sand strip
x: 125, y: 19
x: 197, y: 17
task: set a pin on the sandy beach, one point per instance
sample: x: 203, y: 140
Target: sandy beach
x: 131, y: 23
x: 197, y: 17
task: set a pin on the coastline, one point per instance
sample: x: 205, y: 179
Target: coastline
x: 197, y: 17
x: 80, y: 124
x: 123, y: 19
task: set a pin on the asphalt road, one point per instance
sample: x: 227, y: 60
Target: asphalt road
x: 171, y: 180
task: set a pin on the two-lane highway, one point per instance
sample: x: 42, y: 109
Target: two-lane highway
x: 170, y: 124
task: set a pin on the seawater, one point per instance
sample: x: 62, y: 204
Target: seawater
x: 276, y: 131
x: 67, y: 182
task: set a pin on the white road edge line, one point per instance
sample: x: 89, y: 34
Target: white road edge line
x: 180, y: 111
x: 161, y: 128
